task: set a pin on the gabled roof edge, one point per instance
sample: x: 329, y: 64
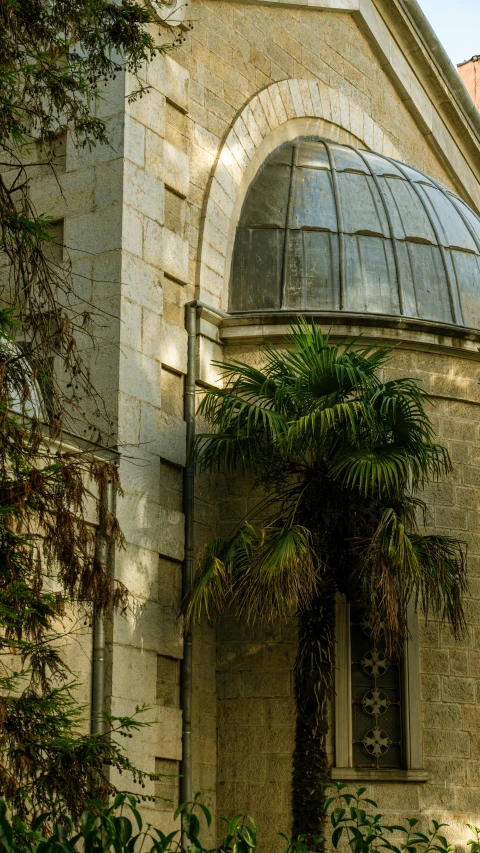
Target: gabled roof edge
x: 443, y: 63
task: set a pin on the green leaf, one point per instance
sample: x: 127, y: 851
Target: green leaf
x: 234, y: 823
x: 336, y: 836
x: 337, y: 815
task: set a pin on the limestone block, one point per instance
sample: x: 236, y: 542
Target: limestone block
x: 249, y: 712
x: 212, y: 287
x: 134, y: 674
x: 435, y: 660
x: 442, y: 716
x: 279, y: 712
x: 174, y: 256
x: 296, y: 97
x: 229, y: 685
x: 306, y: 97
x: 153, y: 242
x: 259, y: 115
x: 431, y: 689
x: 176, y: 168
x: 277, y: 103
x: 95, y: 232
x: 139, y: 469
x: 140, y: 376
x: 78, y: 158
x: 171, y: 79
x: 209, y: 351
x: 267, y: 684
x: 128, y: 420
x: 452, y: 769
x: 222, y: 199
x: 213, y: 259
x: 149, y: 626
x: 137, y: 568
x: 154, y: 154
x: 252, y: 126
x: 207, y: 141
x: 151, y: 333
x: 463, y: 662
x: 149, y: 110
x: 113, y: 97
x: 132, y: 230
x: 131, y: 325
x: 162, y: 738
x: 134, y: 141
x: 165, y: 434
x: 109, y: 183
x: 215, y: 238
x: 234, y: 145
x: 172, y: 344
x: 458, y: 689
x: 218, y: 218
x: 437, y: 742
x: 142, y: 282
x: 279, y: 768
x: 144, y: 192
x: 64, y: 194
x: 438, y: 797
x: 82, y: 272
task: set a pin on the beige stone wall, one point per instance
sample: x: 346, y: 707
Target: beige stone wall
x: 254, y: 679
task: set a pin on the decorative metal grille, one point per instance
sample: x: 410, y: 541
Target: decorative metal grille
x: 376, y: 701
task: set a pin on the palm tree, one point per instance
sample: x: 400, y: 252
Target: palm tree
x: 340, y: 454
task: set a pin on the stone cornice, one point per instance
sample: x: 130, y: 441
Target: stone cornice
x: 420, y: 335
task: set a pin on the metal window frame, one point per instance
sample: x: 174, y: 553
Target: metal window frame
x: 343, y: 769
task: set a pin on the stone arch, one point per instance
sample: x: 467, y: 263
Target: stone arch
x: 276, y: 114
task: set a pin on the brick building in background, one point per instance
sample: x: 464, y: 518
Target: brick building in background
x: 470, y: 73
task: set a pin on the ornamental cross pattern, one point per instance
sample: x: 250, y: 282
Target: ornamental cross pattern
x: 376, y: 697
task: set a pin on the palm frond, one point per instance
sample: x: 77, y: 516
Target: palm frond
x: 282, y: 573
x: 213, y: 584
x: 379, y: 472
x: 402, y: 566
x: 312, y: 429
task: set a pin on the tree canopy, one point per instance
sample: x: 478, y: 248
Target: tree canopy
x: 57, y: 59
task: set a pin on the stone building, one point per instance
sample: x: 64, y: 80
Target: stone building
x: 355, y: 102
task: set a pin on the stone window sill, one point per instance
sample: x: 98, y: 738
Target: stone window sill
x: 357, y: 774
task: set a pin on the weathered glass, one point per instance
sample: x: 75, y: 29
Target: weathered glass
x: 329, y: 227
x: 376, y: 701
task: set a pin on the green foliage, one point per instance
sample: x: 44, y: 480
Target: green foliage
x: 47, y: 763
x: 341, y: 454
x: 56, y: 60
x: 119, y: 828
x: 366, y: 831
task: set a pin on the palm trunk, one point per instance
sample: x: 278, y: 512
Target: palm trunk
x: 313, y: 689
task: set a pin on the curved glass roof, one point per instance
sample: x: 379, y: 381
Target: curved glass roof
x: 327, y: 227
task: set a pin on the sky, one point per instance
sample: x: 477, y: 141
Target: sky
x: 457, y: 25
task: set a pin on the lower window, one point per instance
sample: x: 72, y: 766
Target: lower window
x: 377, y: 704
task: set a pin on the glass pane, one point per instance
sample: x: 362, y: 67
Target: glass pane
x: 376, y: 700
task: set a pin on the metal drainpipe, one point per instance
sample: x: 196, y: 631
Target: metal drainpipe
x: 104, y: 553
x: 186, y: 674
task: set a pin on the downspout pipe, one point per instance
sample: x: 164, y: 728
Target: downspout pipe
x: 186, y: 673
x: 105, y: 555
